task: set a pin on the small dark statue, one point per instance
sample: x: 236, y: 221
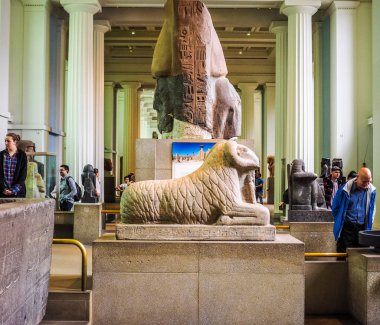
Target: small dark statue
x: 304, y: 191
x: 325, y: 167
x: 89, y: 183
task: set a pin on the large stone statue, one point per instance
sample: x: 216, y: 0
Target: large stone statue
x: 193, y: 97
x: 304, y: 191
x: 221, y: 191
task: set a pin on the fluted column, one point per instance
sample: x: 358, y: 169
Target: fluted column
x: 57, y: 99
x: 247, y: 110
x: 35, y: 122
x: 318, y: 95
x: 376, y: 104
x: 80, y: 117
x: 300, y: 93
x: 100, y: 28
x: 131, y: 125
x: 269, y: 125
x: 5, y: 22
x: 281, y: 30
x: 109, y: 119
x: 343, y: 119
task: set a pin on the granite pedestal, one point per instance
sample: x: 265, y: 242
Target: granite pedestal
x: 310, y: 216
x: 364, y: 285
x: 26, y: 232
x: 87, y: 222
x: 198, y: 282
x: 317, y: 236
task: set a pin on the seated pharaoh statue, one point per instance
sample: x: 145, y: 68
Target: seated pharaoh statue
x: 193, y: 97
x: 304, y: 190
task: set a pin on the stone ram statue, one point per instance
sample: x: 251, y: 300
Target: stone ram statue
x: 221, y: 191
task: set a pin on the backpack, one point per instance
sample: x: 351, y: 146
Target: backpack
x: 77, y: 196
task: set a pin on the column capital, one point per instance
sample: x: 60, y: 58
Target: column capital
x: 269, y: 84
x: 109, y: 84
x: 35, y: 3
x: 89, y: 6
x: 102, y: 26
x: 130, y: 85
x: 342, y: 5
x: 247, y: 85
x: 278, y: 27
x: 290, y: 7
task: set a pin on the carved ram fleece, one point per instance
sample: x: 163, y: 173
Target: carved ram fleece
x: 221, y: 191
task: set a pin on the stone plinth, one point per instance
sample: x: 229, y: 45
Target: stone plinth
x: 364, y: 288
x: 154, y: 157
x: 310, y: 216
x: 194, y: 232
x: 26, y: 232
x: 87, y: 222
x: 194, y: 282
x: 317, y: 236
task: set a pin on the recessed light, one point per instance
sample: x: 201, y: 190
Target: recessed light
x: 133, y: 32
x: 249, y: 34
x: 240, y: 52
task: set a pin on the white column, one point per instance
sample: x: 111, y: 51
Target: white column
x: 60, y: 92
x: 281, y: 31
x: 109, y: 119
x: 343, y: 83
x: 80, y: 117
x: 318, y: 95
x: 247, y: 110
x: 300, y: 93
x: 257, y: 125
x: 131, y: 125
x: 100, y: 28
x: 5, y: 16
x: 35, y: 124
x: 268, y: 126
x: 376, y: 103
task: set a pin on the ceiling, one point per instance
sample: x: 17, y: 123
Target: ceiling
x: 242, y: 27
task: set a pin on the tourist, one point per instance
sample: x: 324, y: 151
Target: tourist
x: 353, y: 210
x: 259, y: 184
x: 331, y: 185
x: 13, y: 168
x: 67, y: 189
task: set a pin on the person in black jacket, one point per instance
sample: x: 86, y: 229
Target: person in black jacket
x: 13, y: 167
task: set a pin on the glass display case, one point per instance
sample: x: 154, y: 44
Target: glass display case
x: 42, y: 174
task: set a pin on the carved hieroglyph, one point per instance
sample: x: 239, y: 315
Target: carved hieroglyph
x: 221, y: 191
x: 193, y: 98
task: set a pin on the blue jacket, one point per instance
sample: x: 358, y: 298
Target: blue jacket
x: 340, y: 205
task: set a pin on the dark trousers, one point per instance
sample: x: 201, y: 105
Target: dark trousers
x: 349, y: 237
x: 65, y: 206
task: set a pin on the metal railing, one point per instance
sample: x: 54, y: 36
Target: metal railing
x: 84, y: 257
x: 325, y: 254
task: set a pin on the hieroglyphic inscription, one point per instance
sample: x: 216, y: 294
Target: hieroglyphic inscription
x: 192, y: 51
x: 195, y: 232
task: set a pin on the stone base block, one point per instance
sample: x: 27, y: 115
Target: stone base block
x: 364, y: 285
x: 310, y: 216
x: 87, y: 222
x: 317, y: 236
x: 194, y: 232
x: 198, y: 282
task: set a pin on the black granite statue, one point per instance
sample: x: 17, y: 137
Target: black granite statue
x: 305, y: 193
x: 325, y: 167
x: 89, y: 183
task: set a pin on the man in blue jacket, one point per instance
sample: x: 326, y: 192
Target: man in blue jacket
x: 353, y: 209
